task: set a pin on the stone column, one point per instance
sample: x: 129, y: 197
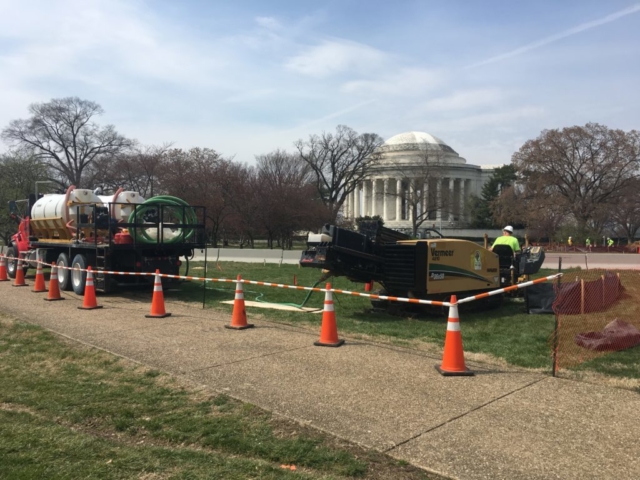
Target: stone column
x: 451, y: 198
x: 461, y: 212
x: 425, y: 200
x: 374, y: 195
x: 398, y: 200
x: 365, y: 198
x: 356, y: 202
x: 412, y: 190
x: 438, y: 197
x: 352, y: 204
x: 385, y: 197
x: 346, y: 206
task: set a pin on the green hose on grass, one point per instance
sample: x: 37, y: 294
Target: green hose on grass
x: 171, y: 206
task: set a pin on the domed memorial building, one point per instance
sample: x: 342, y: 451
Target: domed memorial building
x: 418, y: 174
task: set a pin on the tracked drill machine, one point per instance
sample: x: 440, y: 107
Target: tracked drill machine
x: 432, y: 269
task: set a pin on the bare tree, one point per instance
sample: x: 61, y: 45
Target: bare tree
x: 582, y: 169
x: 242, y: 185
x: 625, y: 215
x: 339, y: 162
x: 288, y: 202
x: 201, y: 176
x: 535, y: 206
x: 139, y: 170
x: 422, y: 194
x: 63, y: 134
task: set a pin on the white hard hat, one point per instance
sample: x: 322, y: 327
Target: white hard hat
x: 508, y: 228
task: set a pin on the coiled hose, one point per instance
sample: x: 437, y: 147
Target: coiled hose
x: 175, y: 208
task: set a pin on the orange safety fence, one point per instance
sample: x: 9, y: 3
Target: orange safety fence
x: 373, y: 296
x: 586, y: 296
x: 250, y: 282
x: 597, y: 314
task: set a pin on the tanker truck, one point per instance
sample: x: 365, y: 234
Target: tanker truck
x: 122, y: 232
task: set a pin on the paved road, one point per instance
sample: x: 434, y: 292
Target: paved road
x: 593, y: 260
x: 569, y: 260
x: 499, y: 424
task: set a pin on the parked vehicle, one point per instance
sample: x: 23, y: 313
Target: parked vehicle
x: 122, y: 232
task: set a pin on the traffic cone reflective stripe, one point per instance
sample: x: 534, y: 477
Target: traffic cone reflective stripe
x: 19, y: 280
x: 3, y: 269
x: 54, y: 286
x: 329, y: 329
x: 239, y: 316
x: 39, y: 285
x: 453, y: 355
x: 157, y: 303
x: 89, y: 301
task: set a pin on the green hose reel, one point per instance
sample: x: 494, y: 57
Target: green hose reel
x: 174, y: 211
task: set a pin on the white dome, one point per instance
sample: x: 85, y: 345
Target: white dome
x: 416, y: 141
x: 414, y: 137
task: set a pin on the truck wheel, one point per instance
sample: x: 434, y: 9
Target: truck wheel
x: 79, y: 278
x: 63, y: 273
x: 12, y: 265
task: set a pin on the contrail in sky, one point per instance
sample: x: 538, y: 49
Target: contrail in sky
x: 559, y: 36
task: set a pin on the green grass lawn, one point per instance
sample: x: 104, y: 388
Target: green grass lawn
x: 507, y: 332
x: 71, y: 412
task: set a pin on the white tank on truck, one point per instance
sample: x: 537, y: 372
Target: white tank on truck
x: 53, y: 215
x: 122, y: 212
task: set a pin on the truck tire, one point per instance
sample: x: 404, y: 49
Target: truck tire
x: 64, y: 278
x: 79, y: 278
x: 12, y: 265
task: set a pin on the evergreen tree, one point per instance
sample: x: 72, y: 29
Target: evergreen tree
x: 481, y: 211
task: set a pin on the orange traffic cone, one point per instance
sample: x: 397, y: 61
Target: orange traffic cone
x: 453, y: 356
x: 239, y: 316
x: 89, y: 302
x: 329, y: 330
x: 3, y: 269
x: 19, y: 280
x: 157, y: 302
x: 39, y: 286
x: 54, y: 286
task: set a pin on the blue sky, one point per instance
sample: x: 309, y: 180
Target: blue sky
x: 247, y: 77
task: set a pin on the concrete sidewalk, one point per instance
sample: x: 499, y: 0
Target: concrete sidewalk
x: 499, y: 424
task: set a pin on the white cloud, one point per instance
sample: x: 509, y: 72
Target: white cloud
x: 250, y: 95
x: 268, y: 22
x: 102, y: 42
x: 337, y: 56
x: 465, y: 100
x: 502, y: 119
x: 405, y: 82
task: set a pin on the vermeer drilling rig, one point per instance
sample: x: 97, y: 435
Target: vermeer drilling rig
x: 431, y: 269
